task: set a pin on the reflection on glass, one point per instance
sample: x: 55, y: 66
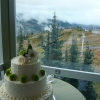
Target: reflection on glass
x: 64, y: 34
x: 90, y: 90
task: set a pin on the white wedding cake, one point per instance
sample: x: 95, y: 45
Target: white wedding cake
x: 26, y: 79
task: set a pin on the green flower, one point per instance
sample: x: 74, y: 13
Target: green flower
x: 42, y: 72
x: 12, y: 77
x: 23, y: 52
x: 23, y: 79
x: 35, y: 77
x: 8, y: 72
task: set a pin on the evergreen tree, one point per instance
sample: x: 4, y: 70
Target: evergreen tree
x: 89, y: 92
x: 88, y: 59
x: 73, y: 58
x: 52, y: 46
x: 66, y: 56
x: 56, y: 44
x: 74, y: 54
x: 20, y: 41
x: 46, y: 47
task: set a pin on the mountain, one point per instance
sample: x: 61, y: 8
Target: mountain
x: 33, y: 25
x: 88, y: 27
x: 28, y: 26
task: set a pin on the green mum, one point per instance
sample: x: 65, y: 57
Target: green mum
x: 42, y: 72
x: 12, y: 77
x: 35, y: 77
x: 8, y: 72
x: 23, y: 79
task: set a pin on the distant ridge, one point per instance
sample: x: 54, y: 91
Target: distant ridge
x: 33, y: 25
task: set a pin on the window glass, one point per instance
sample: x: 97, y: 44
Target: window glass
x: 66, y: 34
x: 90, y: 90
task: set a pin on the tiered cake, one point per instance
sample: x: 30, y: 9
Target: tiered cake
x: 25, y: 79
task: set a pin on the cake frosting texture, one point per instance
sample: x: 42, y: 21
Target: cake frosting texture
x: 25, y: 69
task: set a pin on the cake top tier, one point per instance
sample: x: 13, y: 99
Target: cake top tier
x: 27, y: 56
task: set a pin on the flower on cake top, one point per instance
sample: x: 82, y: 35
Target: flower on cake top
x: 32, y: 54
x: 27, y: 56
x: 21, y: 59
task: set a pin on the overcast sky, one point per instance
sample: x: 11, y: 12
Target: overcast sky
x: 74, y: 11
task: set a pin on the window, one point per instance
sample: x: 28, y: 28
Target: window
x: 62, y: 35
x: 7, y: 31
x: 10, y: 46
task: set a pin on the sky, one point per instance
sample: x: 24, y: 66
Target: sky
x: 74, y: 11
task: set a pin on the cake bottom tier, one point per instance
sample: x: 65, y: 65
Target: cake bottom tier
x: 45, y: 95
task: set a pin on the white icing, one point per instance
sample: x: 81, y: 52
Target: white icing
x: 26, y: 69
x: 29, y: 89
x: 45, y: 95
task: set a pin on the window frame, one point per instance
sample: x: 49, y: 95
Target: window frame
x: 8, y: 31
x: 9, y: 47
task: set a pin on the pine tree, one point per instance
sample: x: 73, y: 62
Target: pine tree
x: 46, y: 47
x: 89, y: 92
x: 20, y: 41
x: 73, y: 58
x: 52, y: 45
x: 74, y: 54
x: 66, y: 56
x: 88, y: 59
x: 56, y: 44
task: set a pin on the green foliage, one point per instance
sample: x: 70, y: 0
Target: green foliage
x: 35, y: 77
x: 88, y: 55
x: 53, y: 45
x: 42, y: 72
x: 23, y: 52
x: 23, y: 79
x: 74, y: 54
x: 20, y: 39
x: 46, y: 46
x: 12, y: 77
x: 9, y: 68
x: 8, y: 72
x: 66, y: 56
x: 73, y: 59
x: 90, y: 93
x: 30, y: 46
x: 71, y: 81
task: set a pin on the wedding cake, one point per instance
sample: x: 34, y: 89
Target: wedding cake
x: 26, y: 79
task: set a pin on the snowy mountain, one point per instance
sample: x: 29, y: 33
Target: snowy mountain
x: 34, y: 25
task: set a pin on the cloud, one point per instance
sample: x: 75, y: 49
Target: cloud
x: 78, y: 11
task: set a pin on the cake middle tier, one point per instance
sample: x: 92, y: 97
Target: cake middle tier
x: 26, y: 90
x: 26, y: 69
